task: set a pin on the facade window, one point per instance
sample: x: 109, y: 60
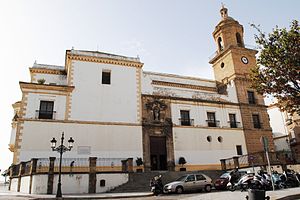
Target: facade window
x: 185, y: 118
x: 256, y: 121
x: 239, y: 150
x: 211, y: 119
x: 232, y: 121
x: 220, y: 139
x: 251, y: 97
x: 220, y: 44
x: 106, y: 77
x: 46, y: 110
x: 239, y: 40
x: 208, y: 138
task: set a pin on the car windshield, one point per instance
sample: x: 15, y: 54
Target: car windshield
x: 182, y: 178
x: 225, y: 175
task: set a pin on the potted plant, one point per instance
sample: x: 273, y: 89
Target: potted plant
x: 181, y: 162
x: 139, y: 163
x: 41, y: 81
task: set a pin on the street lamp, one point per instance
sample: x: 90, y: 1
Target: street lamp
x: 61, y: 149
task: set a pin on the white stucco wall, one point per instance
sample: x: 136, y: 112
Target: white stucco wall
x: 199, y: 113
x: 33, y: 104
x: 25, y: 183
x: 111, y: 181
x: 75, y: 184
x: 281, y: 144
x: 192, y: 144
x: 39, y: 184
x: 277, y: 121
x: 94, y: 101
x: 51, y: 78
x: 14, y: 185
x: 106, y: 141
x: 12, y: 136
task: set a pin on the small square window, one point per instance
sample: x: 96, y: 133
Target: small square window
x: 106, y: 77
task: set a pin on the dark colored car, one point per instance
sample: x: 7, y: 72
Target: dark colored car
x: 221, y: 183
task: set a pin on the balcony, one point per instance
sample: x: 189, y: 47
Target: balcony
x: 234, y: 124
x: 42, y: 114
x: 213, y: 123
x: 186, y: 122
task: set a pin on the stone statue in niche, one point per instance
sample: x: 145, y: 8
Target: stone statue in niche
x: 156, y: 107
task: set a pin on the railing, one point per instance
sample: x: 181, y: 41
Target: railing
x: 42, y: 165
x: 42, y: 114
x: 72, y: 165
x: 15, y: 170
x: 234, y: 124
x: 27, y: 167
x: 259, y: 159
x: 213, y: 123
x: 109, y: 164
x: 186, y: 122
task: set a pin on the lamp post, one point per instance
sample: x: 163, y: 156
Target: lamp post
x: 61, y: 149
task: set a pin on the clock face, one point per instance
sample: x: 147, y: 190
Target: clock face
x: 244, y: 60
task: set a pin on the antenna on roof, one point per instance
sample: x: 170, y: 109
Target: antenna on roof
x: 34, y: 62
x: 138, y: 57
x: 97, y: 47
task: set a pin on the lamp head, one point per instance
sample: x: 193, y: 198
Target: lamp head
x: 70, y: 142
x: 53, y: 143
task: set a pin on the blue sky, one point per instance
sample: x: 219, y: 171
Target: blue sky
x: 169, y: 36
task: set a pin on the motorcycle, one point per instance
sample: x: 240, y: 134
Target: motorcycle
x: 156, y: 185
x: 243, y: 183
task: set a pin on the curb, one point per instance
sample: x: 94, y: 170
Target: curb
x: 96, y: 197
x: 291, y: 197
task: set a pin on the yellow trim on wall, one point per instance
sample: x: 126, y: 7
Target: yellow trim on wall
x: 81, y: 122
x: 104, y: 60
x: 199, y: 167
x: 182, y: 85
x: 36, y: 86
x: 47, y: 71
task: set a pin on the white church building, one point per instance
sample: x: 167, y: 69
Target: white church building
x: 114, y: 109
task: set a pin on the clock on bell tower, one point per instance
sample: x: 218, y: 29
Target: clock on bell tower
x: 232, y: 63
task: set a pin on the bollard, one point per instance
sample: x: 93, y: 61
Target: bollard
x: 257, y: 195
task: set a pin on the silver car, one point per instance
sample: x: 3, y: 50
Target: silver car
x: 189, y: 182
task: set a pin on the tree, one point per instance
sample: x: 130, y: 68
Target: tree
x: 277, y: 72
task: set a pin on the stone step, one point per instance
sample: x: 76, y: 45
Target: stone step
x: 139, y: 182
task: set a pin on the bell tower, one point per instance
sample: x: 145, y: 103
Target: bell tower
x: 232, y: 63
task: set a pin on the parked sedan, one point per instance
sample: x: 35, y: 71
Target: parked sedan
x: 190, y: 182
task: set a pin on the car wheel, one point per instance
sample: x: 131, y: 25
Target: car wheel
x: 207, y: 188
x: 179, y: 190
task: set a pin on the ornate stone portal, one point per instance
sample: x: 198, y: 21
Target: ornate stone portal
x: 158, y: 148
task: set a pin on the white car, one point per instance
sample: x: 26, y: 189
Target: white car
x: 189, y: 182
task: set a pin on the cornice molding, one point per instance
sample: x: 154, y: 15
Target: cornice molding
x: 36, y: 86
x: 47, y: 71
x: 105, y: 60
x: 182, y: 85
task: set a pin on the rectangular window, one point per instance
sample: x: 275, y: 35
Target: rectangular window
x: 256, y: 121
x: 46, y: 110
x: 239, y: 150
x: 106, y: 77
x: 251, y: 97
x: 185, y: 118
x: 232, y: 121
x: 211, y: 119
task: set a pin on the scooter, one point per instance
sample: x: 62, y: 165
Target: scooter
x: 243, y: 183
x: 156, y: 185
